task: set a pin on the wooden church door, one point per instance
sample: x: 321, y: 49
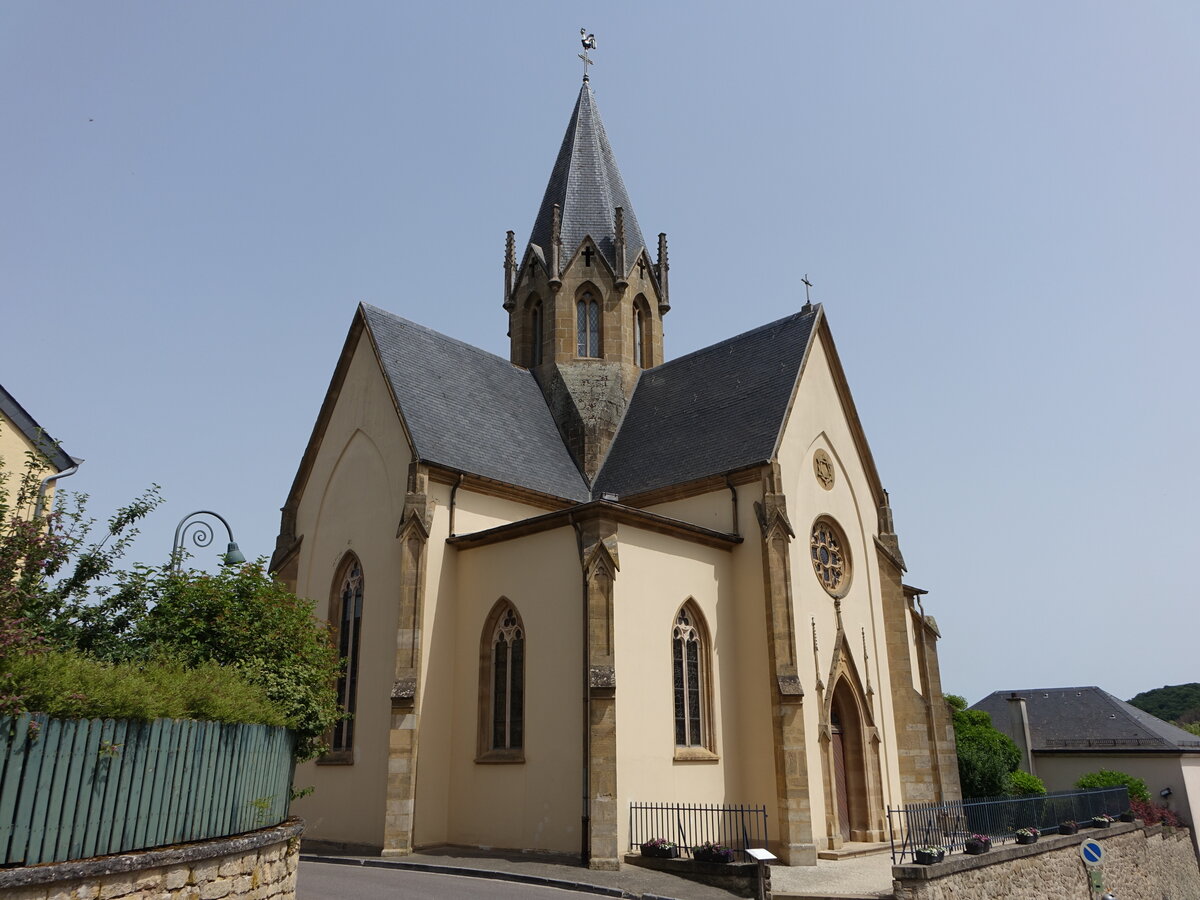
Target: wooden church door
x: 839, y: 778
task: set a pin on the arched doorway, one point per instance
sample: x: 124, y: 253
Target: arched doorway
x: 848, y: 769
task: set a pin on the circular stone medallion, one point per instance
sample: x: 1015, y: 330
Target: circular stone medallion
x: 823, y: 468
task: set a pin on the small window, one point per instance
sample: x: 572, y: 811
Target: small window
x: 347, y: 606
x: 535, y: 334
x: 639, y: 336
x: 690, y: 685
x: 502, y: 687
x: 587, y: 326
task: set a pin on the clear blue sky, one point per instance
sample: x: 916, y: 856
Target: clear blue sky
x: 997, y: 203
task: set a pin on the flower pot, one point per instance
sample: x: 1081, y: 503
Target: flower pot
x: 661, y: 852
x: 1068, y: 829
x: 725, y: 856
x: 976, y: 847
x: 1127, y: 817
x: 925, y: 858
x: 1026, y: 838
x: 1100, y: 823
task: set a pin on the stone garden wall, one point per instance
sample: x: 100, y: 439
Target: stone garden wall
x: 260, y: 865
x: 1150, y: 863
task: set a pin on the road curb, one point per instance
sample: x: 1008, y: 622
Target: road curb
x: 487, y: 874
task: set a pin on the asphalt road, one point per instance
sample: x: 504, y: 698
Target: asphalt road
x: 326, y: 881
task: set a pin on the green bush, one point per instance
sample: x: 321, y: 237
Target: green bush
x: 1109, y: 778
x: 1022, y: 784
x: 69, y: 685
x: 986, y: 756
x: 243, y: 618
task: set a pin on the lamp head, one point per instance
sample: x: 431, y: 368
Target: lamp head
x: 233, y: 555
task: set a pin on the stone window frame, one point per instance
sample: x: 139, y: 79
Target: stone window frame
x: 830, y: 525
x: 696, y: 626
x: 642, y: 342
x: 347, y: 638
x: 493, y: 627
x: 589, y: 342
x: 536, y: 328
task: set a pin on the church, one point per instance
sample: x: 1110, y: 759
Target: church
x: 588, y: 575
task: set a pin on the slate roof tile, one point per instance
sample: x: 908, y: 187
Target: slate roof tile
x: 587, y: 184
x: 710, y: 412
x: 472, y: 411
x: 1086, y: 718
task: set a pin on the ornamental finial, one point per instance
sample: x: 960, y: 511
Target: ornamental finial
x: 589, y: 43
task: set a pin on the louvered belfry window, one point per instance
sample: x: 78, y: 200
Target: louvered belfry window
x: 349, y: 625
x: 535, y: 334
x: 686, y: 666
x: 587, y: 326
x: 508, y: 683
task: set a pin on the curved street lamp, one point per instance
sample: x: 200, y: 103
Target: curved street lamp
x: 201, y: 533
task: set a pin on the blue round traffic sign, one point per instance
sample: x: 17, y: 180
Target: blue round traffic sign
x: 1092, y: 852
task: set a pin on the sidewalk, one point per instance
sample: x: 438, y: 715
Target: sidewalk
x: 858, y: 878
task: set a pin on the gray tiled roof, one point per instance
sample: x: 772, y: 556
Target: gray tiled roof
x: 586, y: 183
x: 472, y: 411
x: 710, y: 412
x: 1087, y: 718
x: 33, y: 432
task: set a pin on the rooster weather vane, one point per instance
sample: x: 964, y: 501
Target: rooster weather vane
x: 589, y: 43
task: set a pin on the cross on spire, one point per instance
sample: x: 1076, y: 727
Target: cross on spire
x: 807, y: 287
x: 589, y: 43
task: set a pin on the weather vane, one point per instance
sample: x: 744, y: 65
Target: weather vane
x: 589, y: 43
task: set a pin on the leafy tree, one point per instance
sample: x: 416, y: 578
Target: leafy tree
x: 243, y: 618
x: 986, y: 757
x: 1109, y: 778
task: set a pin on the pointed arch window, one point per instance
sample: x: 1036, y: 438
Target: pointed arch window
x: 346, y: 610
x: 640, y: 336
x: 535, y: 334
x: 587, y: 326
x: 690, y: 684
x: 502, y: 686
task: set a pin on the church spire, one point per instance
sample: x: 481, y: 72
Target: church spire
x: 586, y: 183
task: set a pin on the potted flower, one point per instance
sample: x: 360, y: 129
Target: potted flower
x: 927, y: 856
x: 1068, y: 826
x: 1102, y: 821
x: 660, y: 848
x: 710, y: 852
x: 1027, y: 835
x: 1128, y: 816
x: 978, y: 843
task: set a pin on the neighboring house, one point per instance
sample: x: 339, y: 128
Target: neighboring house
x: 1076, y: 730
x: 585, y: 575
x: 19, y: 436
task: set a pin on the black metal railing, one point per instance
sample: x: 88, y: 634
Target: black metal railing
x: 948, y: 825
x: 738, y: 827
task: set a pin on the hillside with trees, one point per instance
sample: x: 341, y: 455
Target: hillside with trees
x: 1178, y: 703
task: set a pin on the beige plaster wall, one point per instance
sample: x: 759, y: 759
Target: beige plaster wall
x: 658, y: 574
x: 712, y: 510
x: 1180, y: 774
x: 818, y: 420
x: 13, y: 447
x: 535, y: 804
x: 352, y: 502
x: 474, y: 511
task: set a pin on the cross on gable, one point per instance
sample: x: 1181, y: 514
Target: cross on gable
x: 642, y: 269
x: 588, y: 253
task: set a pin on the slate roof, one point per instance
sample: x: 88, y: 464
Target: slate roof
x: 24, y: 422
x: 472, y: 411
x: 1087, y: 718
x: 710, y: 412
x: 587, y: 184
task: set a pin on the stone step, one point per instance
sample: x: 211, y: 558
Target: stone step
x: 851, y: 850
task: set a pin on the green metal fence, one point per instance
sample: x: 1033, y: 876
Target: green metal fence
x: 76, y: 788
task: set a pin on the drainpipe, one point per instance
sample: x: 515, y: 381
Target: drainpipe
x: 585, y: 837
x: 733, y: 492
x: 44, y: 487
x: 453, y: 495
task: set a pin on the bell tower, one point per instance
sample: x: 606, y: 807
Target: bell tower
x: 586, y: 301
